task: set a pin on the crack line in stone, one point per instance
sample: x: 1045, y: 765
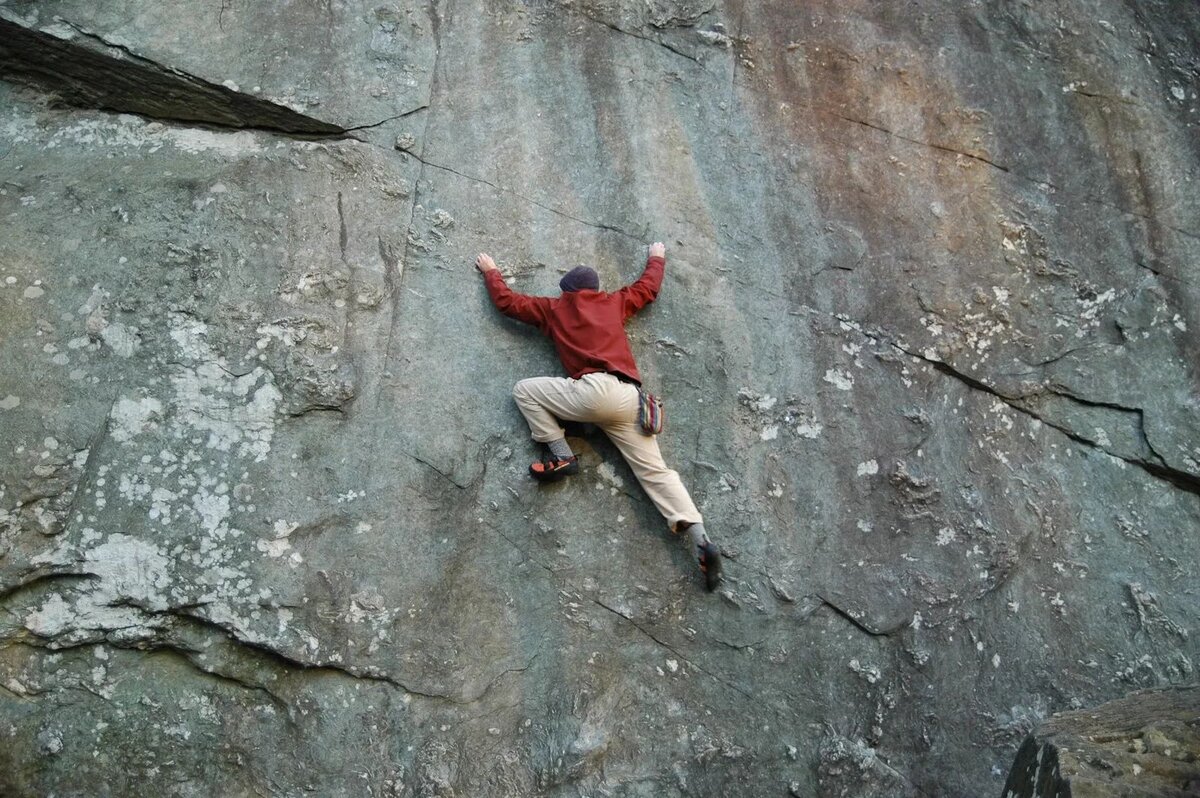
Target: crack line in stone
x: 564, y: 214
x: 1180, y: 479
x: 862, y: 626
x: 902, y: 137
x: 569, y: 585
x: 434, y: 468
x: 619, y: 29
x: 1001, y: 167
x: 403, y: 115
x: 43, y: 577
x: 288, y: 662
x: 395, y: 268
x: 1183, y: 480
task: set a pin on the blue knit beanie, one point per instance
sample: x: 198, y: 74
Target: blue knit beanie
x: 580, y: 278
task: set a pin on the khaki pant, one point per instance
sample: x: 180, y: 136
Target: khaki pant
x: 612, y: 405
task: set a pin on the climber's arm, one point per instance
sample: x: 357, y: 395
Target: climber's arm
x: 529, y: 309
x: 643, y: 291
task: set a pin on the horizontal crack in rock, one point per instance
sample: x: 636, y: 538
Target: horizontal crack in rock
x: 289, y: 662
x: 40, y: 578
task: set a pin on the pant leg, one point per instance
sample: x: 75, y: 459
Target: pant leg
x: 545, y: 400
x: 662, y: 484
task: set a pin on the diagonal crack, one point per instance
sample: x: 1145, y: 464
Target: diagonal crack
x: 673, y: 650
x: 932, y: 145
x: 90, y: 76
x: 1179, y: 479
x: 857, y: 622
x: 531, y: 200
x: 448, y: 477
x: 995, y: 165
x: 1183, y: 480
x: 639, y: 627
x: 403, y: 115
x: 633, y: 34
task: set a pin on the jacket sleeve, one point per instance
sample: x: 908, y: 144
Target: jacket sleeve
x: 643, y: 291
x: 529, y: 309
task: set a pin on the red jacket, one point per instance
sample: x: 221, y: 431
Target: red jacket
x: 587, y: 327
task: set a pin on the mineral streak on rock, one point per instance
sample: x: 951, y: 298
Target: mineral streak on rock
x: 928, y: 339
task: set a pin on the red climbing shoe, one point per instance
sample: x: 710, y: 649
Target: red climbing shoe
x: 710, y: 564
x: 552, y: 468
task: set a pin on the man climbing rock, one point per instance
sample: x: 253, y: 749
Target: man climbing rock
x: 587, y: 327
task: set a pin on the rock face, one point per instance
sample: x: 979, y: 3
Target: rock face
x: 928, y: 339
x: 1147, y: 744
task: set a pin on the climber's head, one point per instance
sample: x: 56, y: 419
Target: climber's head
x: 579, y: 279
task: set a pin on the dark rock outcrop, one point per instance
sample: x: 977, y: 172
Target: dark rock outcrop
x: 1146, y: 744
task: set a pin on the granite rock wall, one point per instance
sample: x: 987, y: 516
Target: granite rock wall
x: 928, y: 338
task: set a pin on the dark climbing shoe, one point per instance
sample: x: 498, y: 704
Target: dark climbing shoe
x: 551, y: 468
x: 710, y: 564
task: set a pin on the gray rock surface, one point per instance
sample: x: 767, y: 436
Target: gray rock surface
x: 928, y: 338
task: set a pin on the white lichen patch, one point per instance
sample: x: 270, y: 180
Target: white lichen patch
x: 120, y: 338
x: 809, y: 429
x: 279, y: 545
x: 769, y: 432
x: 237, y: 412
x: 868, y: 468
x: 131, y: 568
x: 946, y: 536
x: 212, y: 508
x: 609, y: 475
x: 133, y: 487
x: 160, y: 504
x: 132, y: 579
x: 866, y: 670
x: 842, y: 380
x: 10, y: 402
x: 131, y: 417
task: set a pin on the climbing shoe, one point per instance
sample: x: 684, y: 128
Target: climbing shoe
x: 710, y: 564
x: 551, y: 468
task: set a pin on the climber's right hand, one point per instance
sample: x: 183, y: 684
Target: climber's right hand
x: 484, y: 263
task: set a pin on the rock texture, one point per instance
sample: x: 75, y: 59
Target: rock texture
x: 928, y: 338
x: 1145, y: 744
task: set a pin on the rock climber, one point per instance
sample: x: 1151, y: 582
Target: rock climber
x: 587, y: 327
